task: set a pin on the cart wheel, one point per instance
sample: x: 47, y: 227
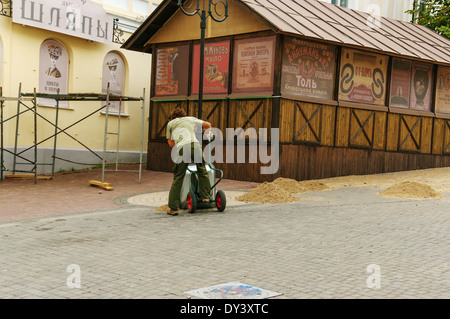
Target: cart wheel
x: 221, y: 200
x: 191, y: 202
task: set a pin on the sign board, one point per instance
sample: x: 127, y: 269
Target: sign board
x: 253, y: 67
x: 172, y: 68
x: 216, y: 63
x: 308, y: 68
x: 363, y: 77
x: 400, y: 82
x: 421, y: 86
x: 78, y: 18
x: 443, y: 90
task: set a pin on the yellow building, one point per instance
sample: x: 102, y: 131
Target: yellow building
x: 71, y: 47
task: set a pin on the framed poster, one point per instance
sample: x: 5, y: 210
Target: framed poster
x: 172, y: 68
x: 400, y: 82
x: 216, y: 64
x: 421, y: 86
x: 253, y: 65
x: 363, y: 77
x: 443, y: 90
x: 308, y: 68
x: 53, y: 72
x: 113, y: 72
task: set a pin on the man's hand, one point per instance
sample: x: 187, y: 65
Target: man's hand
x: 171, y: 143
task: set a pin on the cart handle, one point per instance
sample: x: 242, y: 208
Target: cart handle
x: 221, y: 176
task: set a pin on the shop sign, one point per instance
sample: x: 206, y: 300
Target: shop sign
x: 253, y: 67
x: 421, y: 86
x: 443, y: 90
x: 78, y: 18
x: 216, y: 63
x: 400, y: 82
x: 172, y: 68
x: 308, y: 68
x: 363, y: 77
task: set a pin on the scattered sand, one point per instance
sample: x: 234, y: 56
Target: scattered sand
x: 163, y: 208
x: 411, y: 190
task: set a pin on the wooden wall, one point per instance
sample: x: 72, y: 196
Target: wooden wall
x: 317, y: 140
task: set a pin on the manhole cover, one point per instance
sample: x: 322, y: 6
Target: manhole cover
x: 232, y: 290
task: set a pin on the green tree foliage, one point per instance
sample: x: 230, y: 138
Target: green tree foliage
x: 434, y: 14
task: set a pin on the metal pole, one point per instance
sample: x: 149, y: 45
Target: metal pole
x: 35, y: 137
x: 106, y: 134
x: 118, y: 134
x: 142, y: 135
x: 17, y: 130
x: 202, y: 63
x: 56, y: 134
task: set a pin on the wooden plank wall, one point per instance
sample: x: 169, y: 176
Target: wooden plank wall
x: 320, y: 141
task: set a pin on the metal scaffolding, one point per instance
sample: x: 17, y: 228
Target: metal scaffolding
x: 22, y: 108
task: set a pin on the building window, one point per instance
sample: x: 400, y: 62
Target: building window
x: 141, y: 7
x: 53, y: 71
x: 118, y: 3
x: 114, y: 74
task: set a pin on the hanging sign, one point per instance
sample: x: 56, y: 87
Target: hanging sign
x: 253, y: 67
x: 216, y: 62
x: 400, y: 82
x: 363, y: 77
x: 308, y: 68
x: 78, y: 18
x: 172, y: 68
x: 421, y: 86
x: 443, y: 90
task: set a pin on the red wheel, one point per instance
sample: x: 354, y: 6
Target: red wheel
x: 191, y: 202
x: 221, y: 201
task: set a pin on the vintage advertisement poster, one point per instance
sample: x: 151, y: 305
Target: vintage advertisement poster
x: 172, y: 68
x: 400, y: 82
x: 421, y: 86
x: 53, y: 72
x: 308, y: 68
x: 254, y: 65
x: 443, y: 90
x: 363, y: 77
x: 216, y: 63
x: 113, y: 73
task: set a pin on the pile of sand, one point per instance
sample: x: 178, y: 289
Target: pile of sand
x: 268, y: 193
x: 280, y: 191
x: 411, y: 190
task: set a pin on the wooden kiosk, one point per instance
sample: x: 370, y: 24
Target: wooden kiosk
x: 350, y: 93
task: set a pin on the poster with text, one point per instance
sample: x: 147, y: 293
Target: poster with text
x: 421, y: 86
x: 443, y: 90
x: 113, y: 73
x: 363, y: 77
x: 253, y: 67
x: 216, y: 63
x: 172, y: 68
x: 53, y: 72
x: 400, y: 82
x: 308, y: 68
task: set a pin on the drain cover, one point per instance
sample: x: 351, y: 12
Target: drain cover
x: 232, y: 290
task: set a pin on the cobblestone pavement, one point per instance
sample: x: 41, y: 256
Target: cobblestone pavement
x: 343, y: 243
